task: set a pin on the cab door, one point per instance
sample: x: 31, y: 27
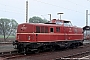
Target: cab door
x: 66, y: 29
x: 37, y: 31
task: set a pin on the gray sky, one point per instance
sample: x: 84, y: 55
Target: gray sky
x: 74, y: 10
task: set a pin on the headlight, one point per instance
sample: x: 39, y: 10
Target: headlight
x: 17, y: 37
x: 28, y: 37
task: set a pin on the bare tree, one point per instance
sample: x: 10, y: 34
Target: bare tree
x: 7, y: 27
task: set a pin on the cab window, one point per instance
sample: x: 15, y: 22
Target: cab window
x: 51, y: 30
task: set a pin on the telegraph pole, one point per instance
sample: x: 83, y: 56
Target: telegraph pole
x: 26, y: 11
x: 87, y: 19
x: 50, y: 16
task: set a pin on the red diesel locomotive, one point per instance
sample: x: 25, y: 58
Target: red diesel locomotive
x: 52, y: 35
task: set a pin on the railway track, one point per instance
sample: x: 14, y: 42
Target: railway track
x: 5, y: 42
x: 9, y: 52
x: 10, y: 55
x: 76, y: 56
x: 62, y: 54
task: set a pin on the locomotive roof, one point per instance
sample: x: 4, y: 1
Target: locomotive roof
x: 51, y: 23
x: 40, y: 24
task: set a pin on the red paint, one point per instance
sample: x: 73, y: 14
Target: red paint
x: 26, y: 31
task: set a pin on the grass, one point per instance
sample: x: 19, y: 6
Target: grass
x: 1, y: 36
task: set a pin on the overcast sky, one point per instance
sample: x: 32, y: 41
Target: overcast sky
x: 74, y: 10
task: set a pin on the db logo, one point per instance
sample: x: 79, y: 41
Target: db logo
x: 23, y: 27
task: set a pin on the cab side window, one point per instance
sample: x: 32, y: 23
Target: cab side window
x: 37, y: 29
x: 57, y: 29
x: 42, y: 29
x: 46, y: 29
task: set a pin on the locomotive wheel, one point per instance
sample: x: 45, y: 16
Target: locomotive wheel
x: 80, y: 44
x: 76, y: 45
x: 52, y: 48
x: 72, y: 46
x: 25, y: 51
x: 20, y: 50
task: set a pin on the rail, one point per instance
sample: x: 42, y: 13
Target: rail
x: 10, y: 55
x: 74, y: 56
